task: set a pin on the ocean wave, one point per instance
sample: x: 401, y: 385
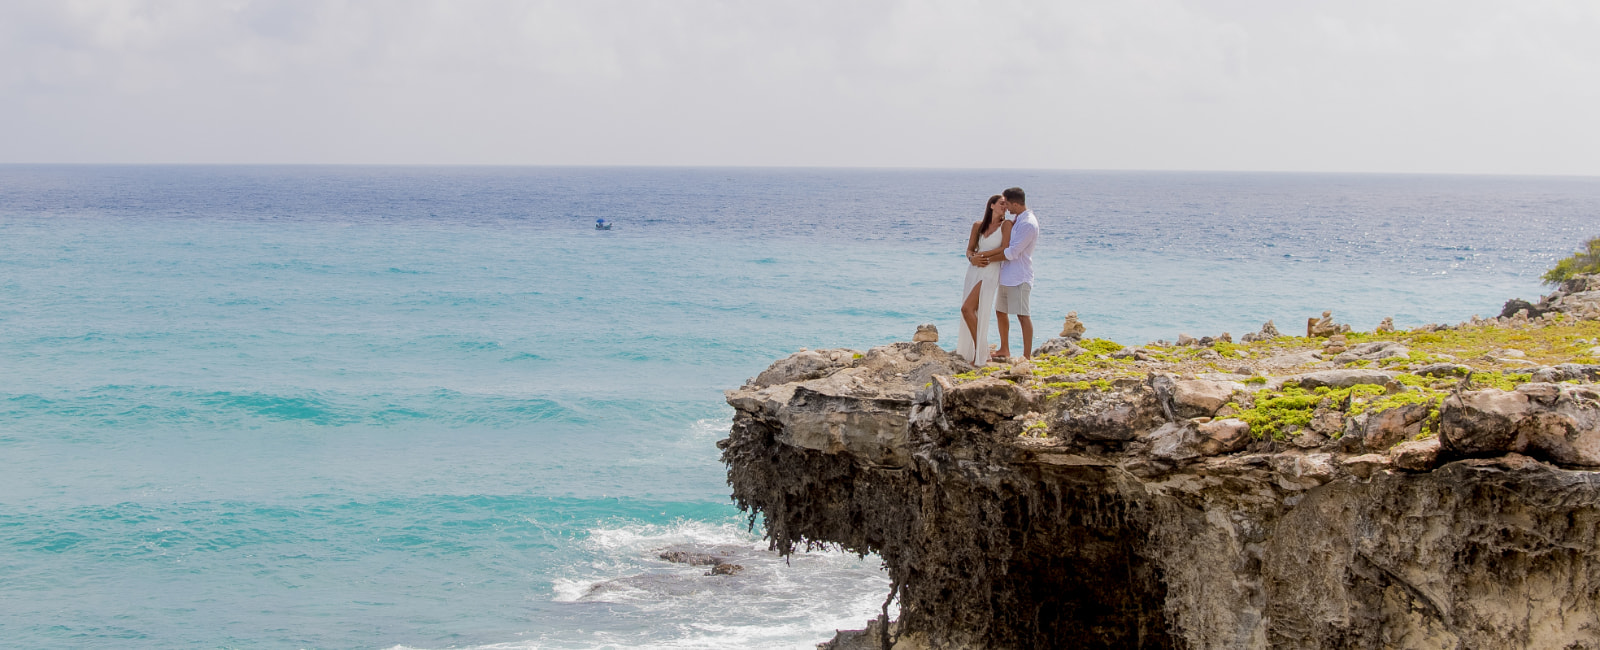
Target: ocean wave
x: 772, y: 602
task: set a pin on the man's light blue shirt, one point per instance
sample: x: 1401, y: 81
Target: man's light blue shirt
x: 1018, y: 267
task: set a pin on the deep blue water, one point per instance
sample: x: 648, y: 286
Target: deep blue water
x: 433, y: 407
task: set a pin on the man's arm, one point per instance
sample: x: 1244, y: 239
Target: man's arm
x: 1021, y: 241
x: 1021, y: 237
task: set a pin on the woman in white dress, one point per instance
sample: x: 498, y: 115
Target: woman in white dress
x: 982, y: 283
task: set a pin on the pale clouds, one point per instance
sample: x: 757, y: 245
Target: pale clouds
x: 1490, y: 87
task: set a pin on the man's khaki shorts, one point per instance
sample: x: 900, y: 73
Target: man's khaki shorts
x: 1014, y: 300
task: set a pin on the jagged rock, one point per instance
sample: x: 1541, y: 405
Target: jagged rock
x: 1225, y: 337
x: 1324, y: 327
x: 837, y: 422
x: 690, y: 558
x: 1441, y: 370
x: 1344, y: 378
x: 1222, y: 436
x: 1186, y: 340
x: 1303, y: 471
x: 1517, y: 307
x: 1102, y: 416
x: 804, y: 365
x: 1072, y: 328
x: 1267, y: 333
x: 1564, y: 429
x: 1139, y: 354
x: 725, y: 569
x: 1567, y: 372
x: 1174, y: 442
x: 1291, y: 360
x: 1019, y: 370
x: 1365, y: 465
x: 986, y: 399
x: 1129, y: 540
x: 1326, y: 423
x: 1201, y: 398
x: 1059, y: 346
x: 1334, y: 345
x: 1482, y: 422
x: 1387, y: 428
x: 1417, y: 455
x: 1373, y: 351
x: 926, y: 333
x: 1386, y: 326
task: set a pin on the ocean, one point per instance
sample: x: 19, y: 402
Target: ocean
x: 381, y: 407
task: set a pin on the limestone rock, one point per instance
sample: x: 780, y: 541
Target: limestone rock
x: 1267, y: 333
x: 1385, y: 429
x: 1222, y: 436
x: 1115, y: 415
x: 1185, y: 340
x: 820, y: 417
x: 1201, y: 398
x: 1303, y: 471
x: 1373, y: 351
x: 1565, y: 429
x: 1386, y: 326
x: 725, y: 569
x: 1291, y: 360
x: 1365, y: 465
x: 1324, y: 327
x: 1482, y: 422
x: 1417, y: 455
x: 926, y: 333
x: 1174, y: 442
x: 1345, y: 378
x: 1059, y: 346
x: 804, y: 365
x: 986, y: 399
x: 690, y: 558
x: 1334, y: 345
x: 1072, y: 328
x: 1441, y: 370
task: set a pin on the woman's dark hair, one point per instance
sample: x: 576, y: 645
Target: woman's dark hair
x: 988, y: 214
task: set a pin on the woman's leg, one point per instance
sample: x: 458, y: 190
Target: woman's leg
x: 969, y: 314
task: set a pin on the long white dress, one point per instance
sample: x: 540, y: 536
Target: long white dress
x: 974, y: 346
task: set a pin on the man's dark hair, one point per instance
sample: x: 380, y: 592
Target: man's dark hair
x: 1015, y: 195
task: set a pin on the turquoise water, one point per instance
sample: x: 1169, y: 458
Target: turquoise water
x: 370, y: 407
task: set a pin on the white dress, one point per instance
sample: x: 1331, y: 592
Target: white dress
x: 974, y: 346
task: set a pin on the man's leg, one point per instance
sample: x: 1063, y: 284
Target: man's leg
x: 1005, y: 330
x: 1027, y: 335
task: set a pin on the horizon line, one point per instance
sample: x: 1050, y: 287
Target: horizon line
x: 802, y: 167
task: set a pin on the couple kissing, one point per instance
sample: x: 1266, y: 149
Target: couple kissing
x: 999, y: 277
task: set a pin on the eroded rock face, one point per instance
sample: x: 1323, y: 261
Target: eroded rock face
x: 1554, y: 422
x: 1137, y: 525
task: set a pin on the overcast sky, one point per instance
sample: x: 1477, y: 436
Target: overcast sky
x: 1508, y: 86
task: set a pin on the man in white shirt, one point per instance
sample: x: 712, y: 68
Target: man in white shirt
x: 1016, y: 272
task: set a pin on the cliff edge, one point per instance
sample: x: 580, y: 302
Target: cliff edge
x: 1430, y: 488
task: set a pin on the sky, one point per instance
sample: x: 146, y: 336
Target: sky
x: 1433, y: 86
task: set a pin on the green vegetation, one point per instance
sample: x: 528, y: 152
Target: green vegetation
x: 1275, y: 411
x: 1581, y: 262
x: 1563, y: 341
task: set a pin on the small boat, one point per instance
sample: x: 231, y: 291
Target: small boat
x: 600, y: 224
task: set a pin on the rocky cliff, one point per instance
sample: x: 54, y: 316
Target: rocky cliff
x: 1431, y: 488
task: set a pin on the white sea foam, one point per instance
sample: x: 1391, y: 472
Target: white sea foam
x: 772, y: 603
